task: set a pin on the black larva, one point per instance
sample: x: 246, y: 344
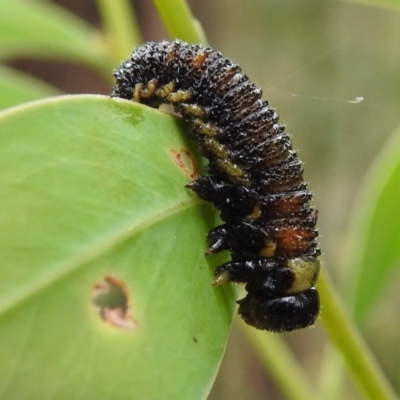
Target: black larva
x: 254, y: 177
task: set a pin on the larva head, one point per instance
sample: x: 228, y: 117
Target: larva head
x: 281, y: 314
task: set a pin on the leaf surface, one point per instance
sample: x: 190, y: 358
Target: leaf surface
x: 375, y: 230
x: 42, y: 29
x: 89, y: 191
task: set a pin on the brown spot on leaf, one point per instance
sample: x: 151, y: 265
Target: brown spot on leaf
x: 185, y: 161
x: 111, y: 299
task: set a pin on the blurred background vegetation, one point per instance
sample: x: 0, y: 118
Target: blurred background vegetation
x: 314, y: 60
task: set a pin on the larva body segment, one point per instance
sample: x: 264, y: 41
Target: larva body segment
x: 254, y: 177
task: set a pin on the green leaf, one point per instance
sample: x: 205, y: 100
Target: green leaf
x: 17, y: 88
x: 343, y: 333
x: 89, y: 192
x: 375, y: 230
x: 42, y: 29
x: 120, y: 27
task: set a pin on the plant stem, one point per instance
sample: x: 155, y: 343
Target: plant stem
x: 120, y: 26
x: 179, y: 21
x: 330, y: 379
x: 345, y: 336
x: 278, y: 360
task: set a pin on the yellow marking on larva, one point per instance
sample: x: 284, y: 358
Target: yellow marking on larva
x: 199, y: 59
x: 256, y: 213
x: 165, y: 90
x: 179, y: 96
x: 149, y: 90
x: 192, y: 110
x: 204, y: 128
x: 235, y: 173
x: 305, y: 272
x: 269, y: 249
x: 136, y: 92
x: 219, y: 150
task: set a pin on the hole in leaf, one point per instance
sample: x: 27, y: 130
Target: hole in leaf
x: 111, y: 299
x: 184, y: 160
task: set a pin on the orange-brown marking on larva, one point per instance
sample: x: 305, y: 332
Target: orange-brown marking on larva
x: 276, y: 155
x: 289, y: 206
x: 281, y: 185
x: 293, y: 241
x: 185, y: 161
x: 112, y: 301
x: 198, y: 59
x: 171, y: 53
x: 261, y: 133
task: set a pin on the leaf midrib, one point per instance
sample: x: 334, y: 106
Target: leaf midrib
x: 95, y: 250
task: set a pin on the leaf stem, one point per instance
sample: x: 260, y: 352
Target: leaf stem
x: 120, y: 26
x: 179, y: 21
x: 342, y: 332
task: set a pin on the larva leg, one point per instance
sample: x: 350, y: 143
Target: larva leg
x: 191, y: 111
x: 165, y: 90
x: 241, y: 234
x: 148, y: 91
x: 179, y: 96
x: 239, y: 272
x: 273, y: 276
x: 233, y: 201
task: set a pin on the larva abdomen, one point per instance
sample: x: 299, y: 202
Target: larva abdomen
x: 254, y: 177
